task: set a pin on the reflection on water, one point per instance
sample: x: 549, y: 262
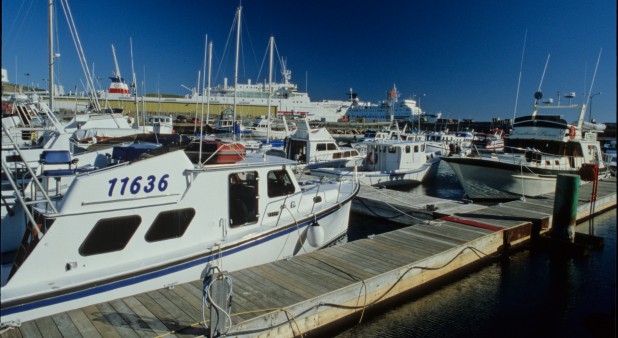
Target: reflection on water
x: 530, y: 294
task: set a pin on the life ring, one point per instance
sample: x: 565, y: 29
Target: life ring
x: 372, y: 158
x: 572, y: 132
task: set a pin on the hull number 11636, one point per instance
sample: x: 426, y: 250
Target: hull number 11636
x: 137, y: 185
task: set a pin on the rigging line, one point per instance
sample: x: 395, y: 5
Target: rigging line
x: 263, y: 61
x: 227, y: 43
x: 24, y: 17
x: 246, y: 29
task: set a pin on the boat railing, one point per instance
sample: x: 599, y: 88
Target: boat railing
x: 536, y: 158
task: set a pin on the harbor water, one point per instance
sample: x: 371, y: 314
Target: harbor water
x: 532, y: 293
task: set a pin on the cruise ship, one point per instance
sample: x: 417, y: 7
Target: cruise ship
x: 386, y: 111
x: 251, y: 99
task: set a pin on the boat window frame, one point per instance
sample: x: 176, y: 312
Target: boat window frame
x: 243, y: 197
x: 279, y: 185
x: 115, y: 232
x: 160, y: 229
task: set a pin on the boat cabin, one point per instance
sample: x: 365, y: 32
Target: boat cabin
x: 391, y: 156
x: 316, y: 147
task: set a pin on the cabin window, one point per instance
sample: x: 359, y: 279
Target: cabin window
x: 332, y: 146
x: 416, y: 148
x: 170, y: 224
x: 336, y: 156
x: 423, y: 147
x: 320, y: 147
x: 407, y: 149
x: 109, y: 235
x: 392, y: 150
x: 243, y: 198
x: 355, y: 153
x: 279, y: 183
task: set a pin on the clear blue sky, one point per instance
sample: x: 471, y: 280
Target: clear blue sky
x: 464, y: 55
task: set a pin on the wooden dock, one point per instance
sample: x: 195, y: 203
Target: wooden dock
x: 309, y: 292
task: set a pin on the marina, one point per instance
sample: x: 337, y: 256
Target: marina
x: 207, y: 194
x: 361, y: 274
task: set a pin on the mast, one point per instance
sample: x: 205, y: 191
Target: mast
x: 236, y: 66
x: 134, y: 85
x: 51, y: 55
x: 270, y: 86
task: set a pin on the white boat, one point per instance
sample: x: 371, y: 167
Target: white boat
x: 488, y: 142
x: 538, y: 149
x: 263, y: 128
x: 386, y: 111
x: 449, y: 142
x: 389, y: 162
x: 314, y: 148
x: 141, y: 219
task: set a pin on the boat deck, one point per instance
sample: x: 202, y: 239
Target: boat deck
x: 308, y: 292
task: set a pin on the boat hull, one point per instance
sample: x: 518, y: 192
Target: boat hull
x: 382, y: 178
x: 288, y: 240
x: 487, y: 179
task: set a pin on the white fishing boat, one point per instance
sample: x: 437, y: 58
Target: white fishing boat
x: 538, y: 149
x: 314, y: 148
x: 140, y: 218
x: 389, y: 162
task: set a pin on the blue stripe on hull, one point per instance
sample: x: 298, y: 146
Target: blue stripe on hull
x: 152, y: 275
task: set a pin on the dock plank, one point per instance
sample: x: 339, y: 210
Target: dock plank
x: 48, y: 327
x: 116, y: 320
x: 145, y: 318
x: 170, y: 323
x: 271, y: 288
x: 65, y: 325
x: 98, y: 320
x: 85, y: 327
x: 30, y: 329
x: 181, y: 317
x: 131, y: 319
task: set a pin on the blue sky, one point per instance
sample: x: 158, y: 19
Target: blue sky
x: 463, y: 55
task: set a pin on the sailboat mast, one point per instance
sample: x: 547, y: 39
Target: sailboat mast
x: 134, y: 85
x: 51, y: 55
x: 270, y: 85
x: 208, y: 82
x: 236, y: 64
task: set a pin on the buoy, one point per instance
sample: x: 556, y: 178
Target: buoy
x: 315, y: 234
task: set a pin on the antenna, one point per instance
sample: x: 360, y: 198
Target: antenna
x: 583, y: 112
x: 521, y: 65
x: 116, y: 63
x: 538, y: 95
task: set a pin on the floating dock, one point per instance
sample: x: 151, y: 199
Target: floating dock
x: 310, y: 292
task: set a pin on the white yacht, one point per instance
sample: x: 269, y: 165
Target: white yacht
x: 538, y: 149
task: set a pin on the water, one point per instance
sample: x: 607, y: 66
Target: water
x: 530, y: 294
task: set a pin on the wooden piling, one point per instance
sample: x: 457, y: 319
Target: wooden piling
x: 565, y: 207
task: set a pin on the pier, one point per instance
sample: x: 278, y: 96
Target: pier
x: 310, y: 292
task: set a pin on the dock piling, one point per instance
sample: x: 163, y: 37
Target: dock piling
x: 565, y: 207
